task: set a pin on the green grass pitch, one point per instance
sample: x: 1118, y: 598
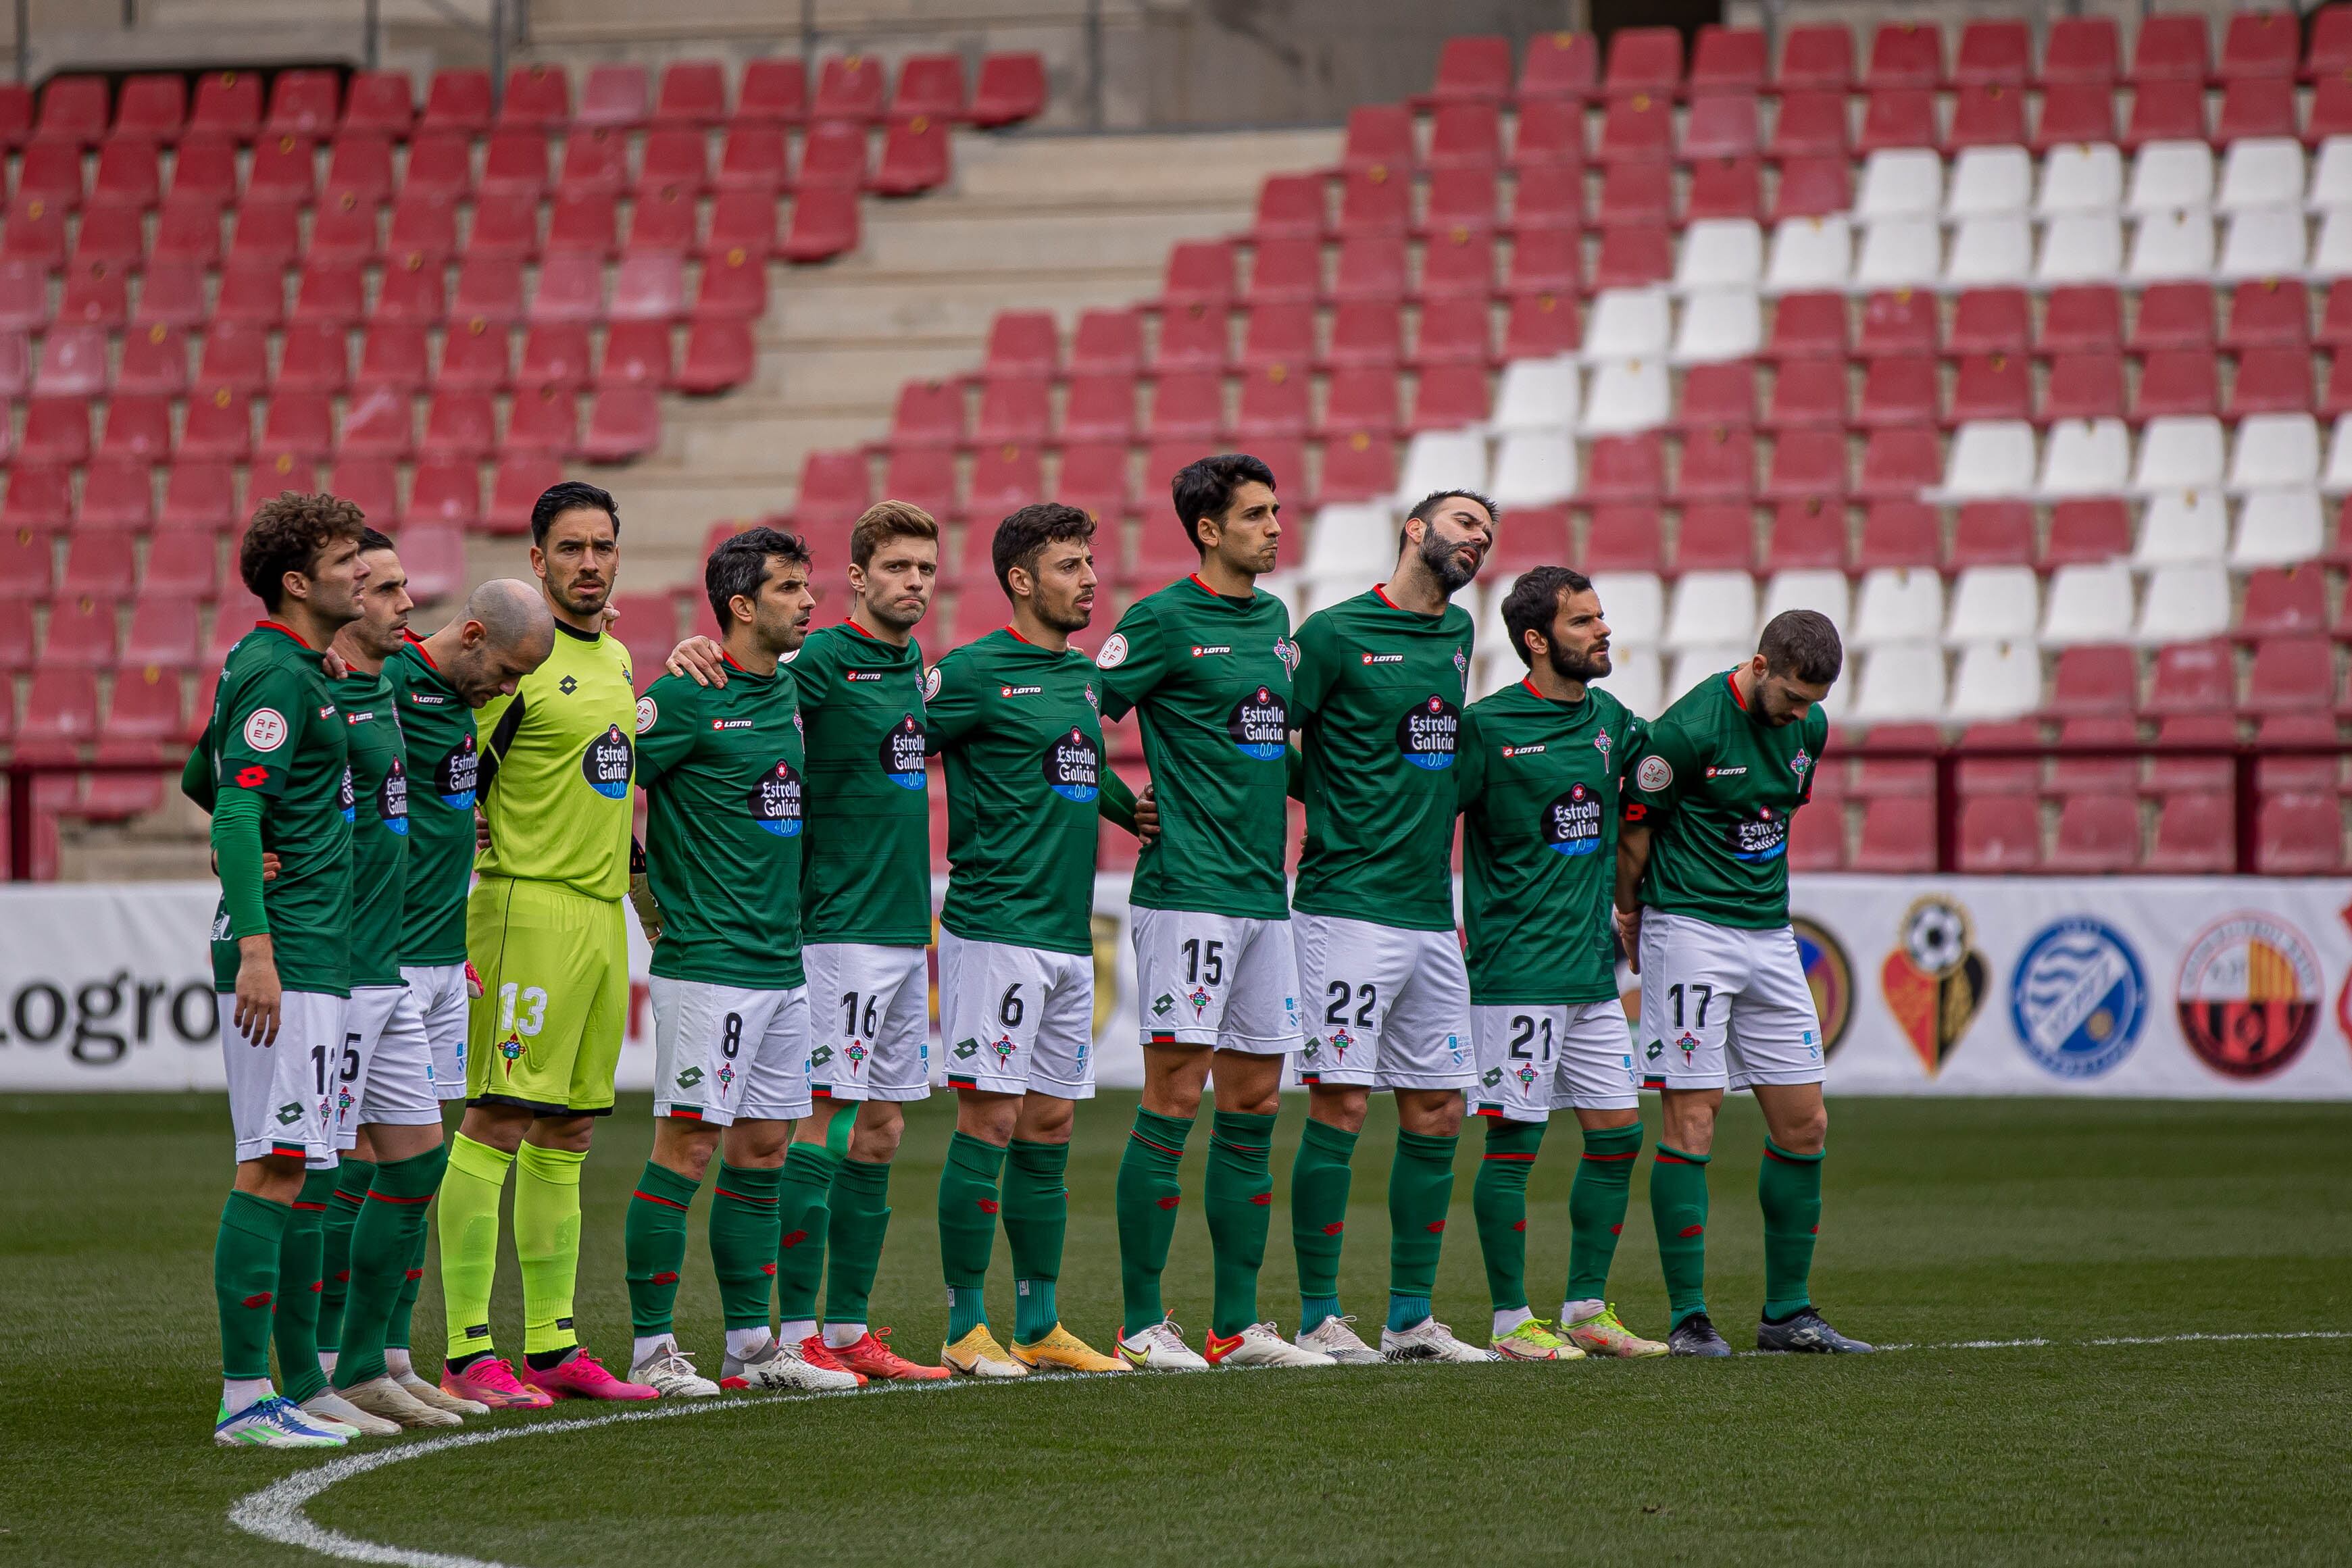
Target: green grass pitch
x: 1947, y: 1222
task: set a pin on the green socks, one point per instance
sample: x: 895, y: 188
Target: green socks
x: 467, y: 1223
x: 1318, y: 1213
x: 1789, y: 1186
x: 802, y: 1220
x: 300, y: 1255
x: 396, y: 1334
x: 1037, y: 1217
x: 743, y: 1236
x: 1241, y: 1206
x: 547, y: 1244
x: 1498, y: 1201
x: 1678, y: 1208
x: 383, y: 1241
x: 968, y: 1210
x: 245, y: 1282
x: 351, y: 1179
x: 653, y: 1246
x: 1148, y: 1193
x: 1596, y: 1209
x: 861, y: 1217
x: 1421, y: 1187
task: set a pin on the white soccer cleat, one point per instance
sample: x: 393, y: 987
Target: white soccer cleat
x: 1161, y: 1348
x: 1262, y: 1344
x: 388, y: 1401
x: 1334, y: 1338
x: 333, y: 1406
x: 423, y: 1392
x: 776, y: 1365
x: 671, y: 1372
x: 1429, y: 1340
x: 274, y: 1422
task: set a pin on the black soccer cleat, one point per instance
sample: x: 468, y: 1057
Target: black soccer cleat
x: 1804, y: 1332
x: 1694, y: 1336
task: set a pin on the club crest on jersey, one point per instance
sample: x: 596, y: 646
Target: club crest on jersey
x: 1461, y: 663
x: 1288, y: 652
x: 1093, y: 701
x: 1600, y: 742
x: 903, y: 747
x: 1426, y: 733
x: 1526, y: 1075
x: 776, y: 800
x: 511, y: 1048
x: 343, y: 1103
x: 1260, y: 724
x: 607, y: 763
x: 1798, y: 763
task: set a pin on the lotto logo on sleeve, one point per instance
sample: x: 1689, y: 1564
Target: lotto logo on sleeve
x: 1074, y: 766
x: 1260, y: 724
x: 607, y: 763
x: 902, y: 754
x: 391, y: 799
x: 2078, y: 998
x: 1427, y: 732
x: 776, y: 800
x: 1572, y: 825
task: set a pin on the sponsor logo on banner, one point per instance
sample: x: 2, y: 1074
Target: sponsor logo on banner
x: 1934, y: 982
x: 2344, y: 996
x: 2248, y: 995
x: 2078, y: 998
x: 1828, y: 974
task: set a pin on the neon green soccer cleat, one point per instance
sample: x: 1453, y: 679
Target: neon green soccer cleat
x: 1537, y: 1339
x: 1602, y: 1335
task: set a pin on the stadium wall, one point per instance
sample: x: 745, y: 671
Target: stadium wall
x: 2150, y: 987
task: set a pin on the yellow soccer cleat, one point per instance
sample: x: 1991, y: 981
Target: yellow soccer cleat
x: 1062, y: 1351
x: 1603, y: 1336
x: 978, y: 1355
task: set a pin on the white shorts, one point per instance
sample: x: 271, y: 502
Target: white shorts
x: 440, y: 993
x: 1725, y: 1008
x: 385, y: 1078
x: 1216, y: 980
x: 722, y: 1054
x: 279, y: 1093
x: 1535, y: 1059
x: 1018, y: 1018
x: 1386, y: 1008
x: 870, y: 1021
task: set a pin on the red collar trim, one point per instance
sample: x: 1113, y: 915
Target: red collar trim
x: 729, y: 659
x: 423, y: 651
x: 848, y: 625
x: 1528, y: 681
x: 1011, y: 632
x: 1382, y: 589
x: 1194, y: 578
x: 1730, y: 679
x: 275, y: 626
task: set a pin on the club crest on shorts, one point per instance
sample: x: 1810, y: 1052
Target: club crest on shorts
x: 1341, y: 1042
x: 1688, y: 1043
x: 1003, y: 1045
x: 1200, y: 998
x: 855, y: 1054
x: 2248, y: 995
x: 1527, y: 1077
x: 2078, y: 997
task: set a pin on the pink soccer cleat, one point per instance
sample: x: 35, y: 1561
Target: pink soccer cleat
x: 493, y: 1383
x: 580, y: 1375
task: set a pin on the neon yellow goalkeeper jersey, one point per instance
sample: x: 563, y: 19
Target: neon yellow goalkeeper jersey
x: 557, y: 759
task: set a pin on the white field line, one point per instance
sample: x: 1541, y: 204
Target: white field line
x: 277, y: 1513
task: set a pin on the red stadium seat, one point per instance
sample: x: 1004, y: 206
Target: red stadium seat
x: 442, y: 164
x: 371, y: 483
x: 1371, y: 267
x: 676, y: 162
x: 411, y: 294
x: 1627, y: 468
x: 613, y: 98
x: 460, y: 425
x: 2098, y: 834
x: 1898, y: 835
x: 1808, y: 392
x: 2081, y: 49
x: 1379, y: 136
x: 2268, y: 313
x: 2085, y: 318
x: 1550, y: 198
x: 2166, y: 111
x: 1726, y: 188
x: 1188, y: 405
x: 1621, y: 537
x: 1990, y: 322
x: 1812, y: 462
x: 1192, y: 339
x: 1358, y: 467
x: 1632, y: 195
x: 1560, y: 65
x: 1200, y: 272
x: 580, y: 224
x: 571, y: 289
x: 1905, y: 55
x: 1644, y: 61
x: 2086, y: 530
x: 1013, y: 409
x: 1721, y: 125
x: 1809, y: 124
x: 1808, y: 535
x: 2178, y: 382
x: 850, y: 88
x: 924, y: 477
x: 1550, y: 135
x: 2171, y: 49
x: 1898, y: 321
x: 447, y: 492
x: 1901, y: 389
x: 2085, y: 386
x: 2194, y: 835
x: 1456, y: 264
x: 137, y: 428
x: 1543, y: 323
x: 1994, y: 53
x: 538, y: 97
x: 1638, y: 128
x: 185, y: 564
x: 2000, y: 835
x: 2272, y: 380
x: 1094, y: 479
x: 772, y: 92
x: 665, y: 222
x: 2282, y: 602
x: 1100, y: 406
x: 1005, y: 477
x: 514, y: 488
x: 57, y: 430
x: 1474, y: 70
x: 1898, y: 463
x: 1718, y: 395
x: 638, y: 354
x: 1991, y: 533
x: 1717, y: 535
x: 1448, y: 397
x: 1465, y: 136
x: 1898, y: 116
x: 118, y: 493
x: 2297, y: 835
x: 546, y: 420
x: 1011, y: 88
x: 378, y: 423
x: 2193, y: 678
x: 380, y: 103
x: 2257, y: 108
x: 1993, y: 386
x: 1546, y: 261
x: 492, y: 290
x: 198, y: 496
x: 1634, y: 257
x: 1454, y: 331
x: 1461, y: 201
x: 594, y: 162
x: 227, y: 108
x: 2168, y: 771
x: 746, y: 221
x: 152, y: 110
x: 2174, y: 316
x: 515, y: 166
x: 61, y: 714
x: 929, y: 414
x: 914, y: 157
x: 930, y: 87
x: 73, y: 108
x: 1808, y: 325
x: 2074, y: 112
x: 1728, y: 59
x: 2292, y: 674
x: 2094, y: 681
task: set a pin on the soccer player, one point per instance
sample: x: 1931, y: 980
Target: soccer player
x: 727, y: 781
x: 1381, y: 683
x: 1703, y: 904
x: 544, y: 932
x: 273, y: 768
x: 1538, y: 770
x: 865, y: 920
x: 1015, y: 715
x: 1206, y: 664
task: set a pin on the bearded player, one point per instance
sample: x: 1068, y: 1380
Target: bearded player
x: 1381, y: 679
x: 1703, y: 903
x: 1538, y: 767
x: 1205, y: 664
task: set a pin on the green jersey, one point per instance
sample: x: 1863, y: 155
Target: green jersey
x: 1018, y: 727
x: 866, y: 875
x: 1378, y: 695
x: 1539, y: 782
x: 559, y: 761
x: 278, y: 729
x: 379, y: 827
x: 1210, y: 678
x: 722, y: 769
x: 444, y: 761
x: 1717, y: 786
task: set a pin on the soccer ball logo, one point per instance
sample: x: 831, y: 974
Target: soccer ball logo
x: 1935, y: 936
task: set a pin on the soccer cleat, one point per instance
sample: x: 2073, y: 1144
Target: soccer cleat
x: 1261, y: 1344
x: 1334, y: 1338
x: 1429, y: 1340
x: 1059, y: 1350
x: 424, y: 1392
x: 580, y: 1375
x: 1536, y: 1339
x: 1806, y: 1333
x: 776, y: 1365
x: 1694, y: 1336
x: 387, y: 1400
x: 333, y: 1406
x: 872, y: 1357
x: 978, y: 1355
x: 272, y: 1423
x: 671, y: 1375
x: 1602, y: 1335
x: 1162, y: 1348
x: 491, y: 1382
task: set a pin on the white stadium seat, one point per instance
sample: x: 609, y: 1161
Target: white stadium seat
x: 2278, y: 527
x: 2331, y: 253
x: 1989, y: 180
x: 1994, y: 603
x: 2081, y: 247
x: 1823, y: 590
x: 1997, y: 680
x: 1712, y: 607
x: 1634, y: 605
x: 1636, y: 680
x: 2180, y: 452
x: 2275, y: 451
x: 2182, y: 525
x: 1629, y: 324
x: 2264, y: 242
x: 1535, y: 468
x: 1900, y: 182
x: 2176, y: 244
x: 1995, y: 248
x: 1693, y: 666
x: 2185, y: 603
x: 1537, y: 394
x: 1989, y: 457
x: 2085, y: 457
x: 1626, y: 396
x: 2336, y: 478
x: 2170, y: 174
x: 2262, y: 171
x: 1808, y: 254
x: 2331, y: 175
x: 1897, y: 604
x: 1437, y: 458
x: 1720, y: 253
x: 1351, y: 541
x: 2088, y: 604
x: 1719, y: 324
x: 1901, y: 681
x: 1900, y: 253
x: 2081, y: 177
